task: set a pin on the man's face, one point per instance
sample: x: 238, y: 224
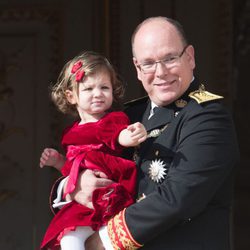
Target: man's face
x: 159, y: 41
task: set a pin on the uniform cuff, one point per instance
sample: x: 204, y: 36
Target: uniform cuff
x: 119, y: 233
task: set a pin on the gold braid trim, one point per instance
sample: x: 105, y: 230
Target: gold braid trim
x: 119, y: 233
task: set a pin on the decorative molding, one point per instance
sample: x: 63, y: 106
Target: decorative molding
x: 242, y: 38
x: 114, y: 32
x: 50, y: 16
x: 25, y: 16
x: 224, y: 49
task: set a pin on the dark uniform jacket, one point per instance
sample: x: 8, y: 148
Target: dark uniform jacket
x: 185, y: 171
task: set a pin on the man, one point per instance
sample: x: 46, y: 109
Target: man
x: 185, y: 167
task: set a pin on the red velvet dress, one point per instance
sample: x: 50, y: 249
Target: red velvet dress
x: 94, y: 146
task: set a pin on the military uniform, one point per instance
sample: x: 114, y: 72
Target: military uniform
x: 184, y: 176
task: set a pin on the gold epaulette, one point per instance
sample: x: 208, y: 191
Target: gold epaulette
x: 119, y: 234
x: 201, y: 95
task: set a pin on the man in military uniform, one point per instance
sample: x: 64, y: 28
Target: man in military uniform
x: 185, y: 166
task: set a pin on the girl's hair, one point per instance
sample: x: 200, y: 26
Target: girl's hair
x: 90, y: 62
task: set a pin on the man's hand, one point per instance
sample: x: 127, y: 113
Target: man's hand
x: 88, y: 181
x: 94, y: 242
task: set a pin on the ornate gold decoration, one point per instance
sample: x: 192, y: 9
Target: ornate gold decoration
x: 156, y: 132
x: 119, y: 233
x: 180, y: 103
x: 6, y: 194
x: 201, y: 95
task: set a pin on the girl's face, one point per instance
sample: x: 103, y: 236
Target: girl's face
x: 95, y: 96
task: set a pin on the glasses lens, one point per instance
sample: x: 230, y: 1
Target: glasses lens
x: 168, y: 62
x: 148, y: 68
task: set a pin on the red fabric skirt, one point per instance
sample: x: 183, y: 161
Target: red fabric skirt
x: 107, y: 201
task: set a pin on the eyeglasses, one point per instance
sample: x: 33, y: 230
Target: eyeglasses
x: 169, y: 62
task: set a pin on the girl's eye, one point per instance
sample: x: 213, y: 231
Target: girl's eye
x: 87, y: 89
x: 105, y: 87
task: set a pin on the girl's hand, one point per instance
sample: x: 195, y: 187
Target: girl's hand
x: 51, y: 157
x: 138, y: 132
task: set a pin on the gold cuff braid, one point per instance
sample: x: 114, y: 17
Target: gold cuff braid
x: 119, y: 233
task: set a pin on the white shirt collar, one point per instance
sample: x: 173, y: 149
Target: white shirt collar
x: 153, y: 105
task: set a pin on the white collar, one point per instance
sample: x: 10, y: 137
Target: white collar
x: 153, y: 105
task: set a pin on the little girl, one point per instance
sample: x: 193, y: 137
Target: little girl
x: 88, y: 86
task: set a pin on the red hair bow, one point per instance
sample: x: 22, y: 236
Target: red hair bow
x: 79, y: 75
x: 76, y: 66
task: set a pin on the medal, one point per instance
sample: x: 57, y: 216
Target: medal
x: 157, y: 170
x: 156, y: 132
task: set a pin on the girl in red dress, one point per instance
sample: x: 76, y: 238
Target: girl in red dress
x: 88, y: 86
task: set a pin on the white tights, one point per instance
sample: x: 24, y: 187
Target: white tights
x: 76, y: 239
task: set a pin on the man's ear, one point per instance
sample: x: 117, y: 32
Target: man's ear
x: 190, y: 54
x: 137, y: 69
x: 70, y: 96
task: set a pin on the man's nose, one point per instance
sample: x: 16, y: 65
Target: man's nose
x: 161, y: 69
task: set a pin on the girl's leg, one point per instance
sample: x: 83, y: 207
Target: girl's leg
x: 76, y: 239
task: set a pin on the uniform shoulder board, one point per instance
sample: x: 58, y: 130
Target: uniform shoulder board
x: 136, y: 101
x: 201, y: 95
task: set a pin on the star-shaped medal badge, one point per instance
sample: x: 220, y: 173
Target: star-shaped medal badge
x: 157, y: 170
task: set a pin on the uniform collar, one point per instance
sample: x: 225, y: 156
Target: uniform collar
x: 163, y: 116
x: 167, y: 113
